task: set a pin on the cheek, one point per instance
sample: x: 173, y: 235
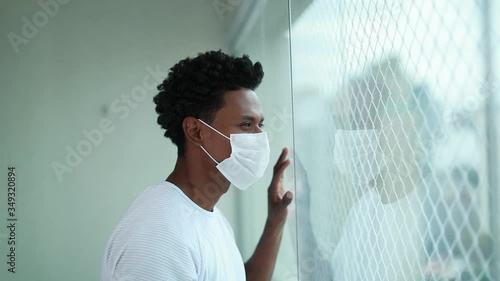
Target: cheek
x: 220, y: 150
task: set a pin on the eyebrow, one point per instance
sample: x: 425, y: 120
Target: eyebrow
x: 251, y: 118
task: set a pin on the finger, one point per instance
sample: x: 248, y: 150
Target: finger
x: 287, y: 199
x: 283, y: 155
x: 279, y: 164
x: 278, y: 173
x: 275, y: 186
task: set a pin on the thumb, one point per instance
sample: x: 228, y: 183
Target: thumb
x: 287, y: 198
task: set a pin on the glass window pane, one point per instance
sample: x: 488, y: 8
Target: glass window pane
x: 392, y: 166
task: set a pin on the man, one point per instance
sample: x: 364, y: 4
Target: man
x: 362, y: 223
x: 173, y: 230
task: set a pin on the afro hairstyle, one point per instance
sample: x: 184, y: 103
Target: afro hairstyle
x: 195, y: 87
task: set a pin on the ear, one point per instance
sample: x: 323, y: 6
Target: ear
x: 192, y: 131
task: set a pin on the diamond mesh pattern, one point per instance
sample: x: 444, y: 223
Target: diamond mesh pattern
x: 392, y: 174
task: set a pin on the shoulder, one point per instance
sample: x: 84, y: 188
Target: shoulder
x: 154, y: 238
x: 158, y: 216
x: 162, y: 208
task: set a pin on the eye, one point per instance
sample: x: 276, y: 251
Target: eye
x: 246, y: 125
x: 261, y: 125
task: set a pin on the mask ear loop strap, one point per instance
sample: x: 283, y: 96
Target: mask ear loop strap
x: 209, y: 154
x: 214, y: 129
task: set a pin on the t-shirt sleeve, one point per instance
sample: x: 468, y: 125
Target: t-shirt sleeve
x: 157, y: 258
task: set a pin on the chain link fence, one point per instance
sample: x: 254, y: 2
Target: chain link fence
x: 395, y: 150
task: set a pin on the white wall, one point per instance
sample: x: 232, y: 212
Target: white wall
x: 64, y: 80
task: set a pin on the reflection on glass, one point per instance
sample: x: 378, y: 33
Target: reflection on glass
x: 391, y: 156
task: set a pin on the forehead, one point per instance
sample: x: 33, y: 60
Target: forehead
x: 240, y: 103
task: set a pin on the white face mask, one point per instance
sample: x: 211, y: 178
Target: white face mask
x: 248, y: 160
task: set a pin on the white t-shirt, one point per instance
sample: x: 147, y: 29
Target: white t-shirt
x: 379, y: 241
x: 164, y: 236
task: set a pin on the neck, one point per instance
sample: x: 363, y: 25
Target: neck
x: 204, y: 186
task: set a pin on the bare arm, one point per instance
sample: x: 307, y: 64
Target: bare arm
x: 260, y: 266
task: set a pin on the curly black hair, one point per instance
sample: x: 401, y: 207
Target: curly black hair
x: 195, y: 87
